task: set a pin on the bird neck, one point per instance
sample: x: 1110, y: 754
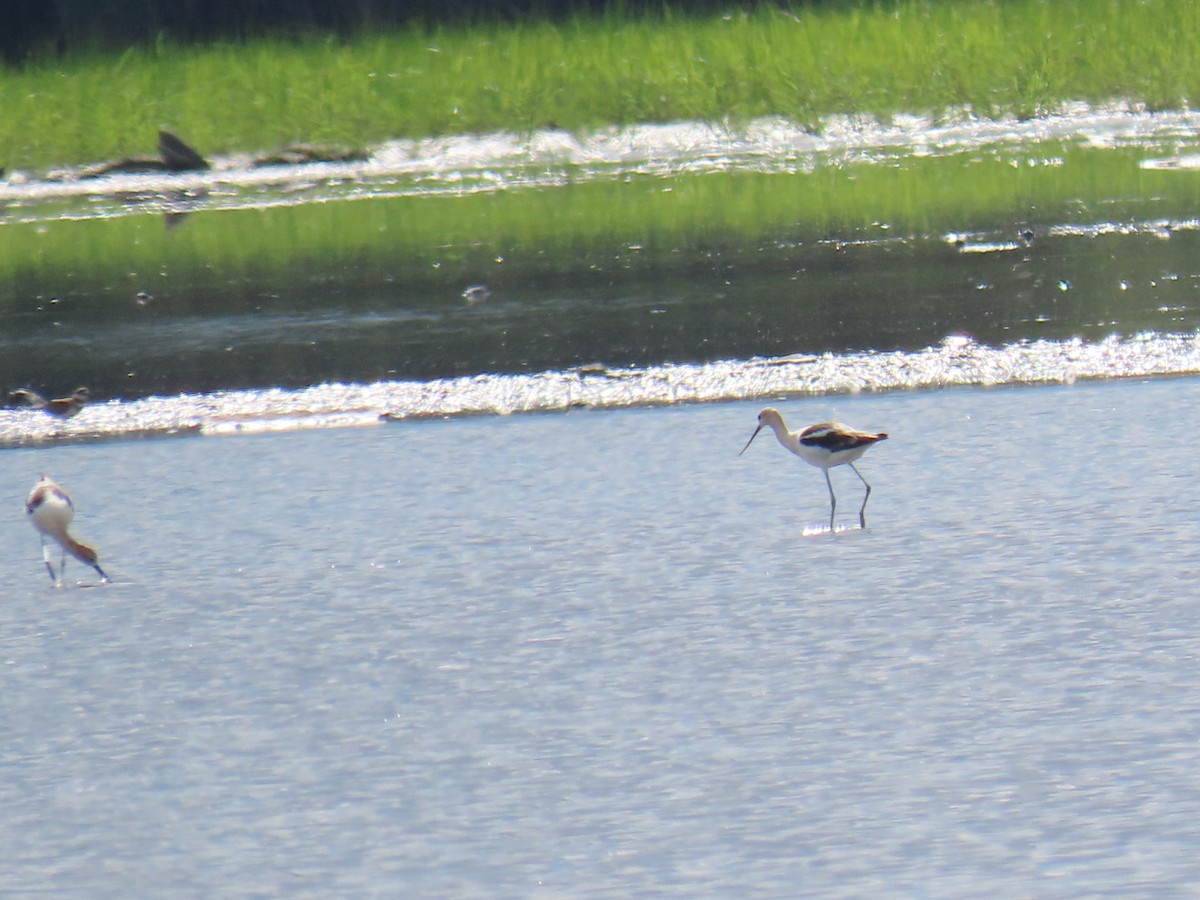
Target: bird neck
x: 785, y: 437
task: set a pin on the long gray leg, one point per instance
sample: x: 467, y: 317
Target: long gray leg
x: 46, y: 560
x: 832, y: 500
x: 862, y: 513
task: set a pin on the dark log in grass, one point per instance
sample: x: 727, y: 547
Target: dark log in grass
x: 174, y: 156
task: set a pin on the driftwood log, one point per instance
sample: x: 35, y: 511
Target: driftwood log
x: 176, y: 156
x: 173, y: 156
x: 299, y: 154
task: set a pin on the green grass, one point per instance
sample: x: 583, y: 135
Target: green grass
x: 1021, y: 57
x: 435, y: 245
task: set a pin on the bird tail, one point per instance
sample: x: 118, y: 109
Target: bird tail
x: 81, y: 552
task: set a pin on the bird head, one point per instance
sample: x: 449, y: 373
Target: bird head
x: 768, y: 416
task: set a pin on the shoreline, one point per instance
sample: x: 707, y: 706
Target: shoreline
x: 1018, y: 58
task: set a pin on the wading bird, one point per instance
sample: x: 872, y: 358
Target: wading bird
x: 50, y: 510
x: 825, y: 445
x: 62, y: 408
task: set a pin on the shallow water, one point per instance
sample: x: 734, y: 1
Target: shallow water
x: 176, y: 329
x: 594, y: 653
x: 490, y: 162
x: 590, y: 651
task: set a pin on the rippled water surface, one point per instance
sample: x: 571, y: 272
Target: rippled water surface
x: 594, y: 653
x: 436, y: 591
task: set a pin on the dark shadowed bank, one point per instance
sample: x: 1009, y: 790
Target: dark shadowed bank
x: 38, y: 27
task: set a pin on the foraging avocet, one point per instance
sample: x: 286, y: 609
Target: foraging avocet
x: 50, y: 510
x: 825, y: 445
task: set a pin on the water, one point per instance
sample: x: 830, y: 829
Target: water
x: 593, y: 653
x: 427, y: 597
x: 208, y: 326
x: 486, y: 163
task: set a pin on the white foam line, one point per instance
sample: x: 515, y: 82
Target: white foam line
x: 501, y: 159
x: 956, y: 361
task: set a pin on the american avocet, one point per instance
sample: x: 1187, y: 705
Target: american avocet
x: 50, y: 510
x: 63, y: 407
x: 825, y: 445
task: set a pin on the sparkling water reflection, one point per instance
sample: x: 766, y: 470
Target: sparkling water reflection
x: 592, y: 653
x: 193, y: 342
x: 957, y: 361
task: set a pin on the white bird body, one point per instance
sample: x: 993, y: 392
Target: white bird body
x: 50, y: 511
x: 825, y: 445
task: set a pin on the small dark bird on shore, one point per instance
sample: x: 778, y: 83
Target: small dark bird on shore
x: 62, y: 408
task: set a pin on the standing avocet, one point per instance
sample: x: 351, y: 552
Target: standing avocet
x: 50, y: 511
x: 825, y: 445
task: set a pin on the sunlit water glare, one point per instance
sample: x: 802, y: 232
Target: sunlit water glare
x: 957, y: 361
x: 538, y: 631
x: 491, y: 162
x: 594, y: 653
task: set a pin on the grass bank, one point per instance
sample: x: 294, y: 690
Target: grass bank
x: 436, y: 245
x: 1022, y: 57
